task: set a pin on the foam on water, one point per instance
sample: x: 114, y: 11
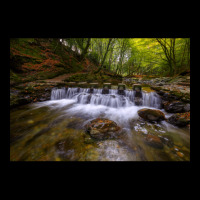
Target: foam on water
x: 119, y: 108
x: 113, y: 99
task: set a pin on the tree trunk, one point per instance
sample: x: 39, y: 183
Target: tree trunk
x: 110, y: 39
x: 86, y: 49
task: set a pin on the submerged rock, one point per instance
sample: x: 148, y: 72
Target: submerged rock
x: 154, y: 141
x: 151, y: 114
x: 102, y: 128
x: 168, y: 140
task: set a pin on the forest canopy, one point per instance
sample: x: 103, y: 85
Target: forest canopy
x: 129, y: 56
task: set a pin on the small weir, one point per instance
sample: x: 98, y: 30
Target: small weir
x: 111, y: 98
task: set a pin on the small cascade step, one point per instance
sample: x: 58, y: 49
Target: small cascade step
x: 111, y: 98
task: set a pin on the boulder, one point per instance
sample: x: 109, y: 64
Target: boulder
x: 176, y: 107
x: 179, y: 119
x: 151, y: 114
x: 102, y: 128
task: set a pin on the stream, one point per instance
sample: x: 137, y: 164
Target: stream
x: 54, y: 130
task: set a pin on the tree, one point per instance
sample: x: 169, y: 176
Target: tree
x: 85, y: 49
x: 110, y: 39
x: 169, y: 50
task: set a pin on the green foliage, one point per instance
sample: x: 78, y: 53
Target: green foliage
x: 93, y: 56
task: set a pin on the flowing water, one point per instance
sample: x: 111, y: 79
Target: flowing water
x: 54, y: 130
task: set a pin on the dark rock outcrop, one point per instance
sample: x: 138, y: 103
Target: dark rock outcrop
x: 179, y: 119
x: 176, y: 107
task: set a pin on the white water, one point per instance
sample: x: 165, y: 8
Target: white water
x: 113, y: 99
x: 80, y: 107
x: 119, y: 108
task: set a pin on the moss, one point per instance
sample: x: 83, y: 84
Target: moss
x: 121, y: 86
x: 176, y: 93
x: 105, y: 85
x: 156, y: 88
x: 147, y: 89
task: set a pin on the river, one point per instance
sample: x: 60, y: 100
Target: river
x: 54, y: 130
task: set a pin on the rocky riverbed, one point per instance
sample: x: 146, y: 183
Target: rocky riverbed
x: 175, y: 95
x: 68, y: 129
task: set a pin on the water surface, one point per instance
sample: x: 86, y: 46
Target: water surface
x: 54, y: 130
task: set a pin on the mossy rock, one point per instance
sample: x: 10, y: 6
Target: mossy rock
x: 107, y: 85
x: 176, y: 93
x: 102, y: 128
x: 121, y: 86
x: 137, y: 87
x: 179, y: 120
x: 156, y: 88
x: 151, y: 114
x: 154, y: 141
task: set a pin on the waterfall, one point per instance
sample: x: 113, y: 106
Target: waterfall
x: 113, y: 99
x: 151, y: 99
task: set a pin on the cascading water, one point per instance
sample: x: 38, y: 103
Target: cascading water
x: 113, y: 99
x: 54, y: 130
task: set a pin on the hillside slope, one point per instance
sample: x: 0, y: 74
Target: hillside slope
x: 37, y: 65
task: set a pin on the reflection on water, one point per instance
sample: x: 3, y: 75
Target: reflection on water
x: 54, y: 131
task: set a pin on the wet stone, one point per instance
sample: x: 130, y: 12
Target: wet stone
x: 102, y: 128
x: 176, y: 107
x: 121, y: 86
x: 154, y: 141
x: 178, y: 120
x: 151, y: 114
x: 137, y: 87
x: 167, y: 140
x: 107, y: 86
